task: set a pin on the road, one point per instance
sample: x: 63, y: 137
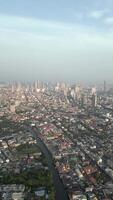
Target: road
x: 61, y: 193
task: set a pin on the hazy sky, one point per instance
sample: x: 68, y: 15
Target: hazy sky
x: 56, y: 39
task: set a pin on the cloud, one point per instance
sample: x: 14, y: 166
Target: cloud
x: 109, y: 21
x: 29, y: 27
x: 98, y: 14
x: 26, y: 28
x: 29, y: 24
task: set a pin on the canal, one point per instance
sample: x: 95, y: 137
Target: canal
x: 61, y: 193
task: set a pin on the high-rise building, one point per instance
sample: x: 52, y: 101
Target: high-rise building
x: 36, y: 86
x: 104, y: 89
x: 19, y: 87
x: 94, y: 100
x: 82, y: 100
x: 12, y: 108
x: 93, y: 90
x: 12, y: 88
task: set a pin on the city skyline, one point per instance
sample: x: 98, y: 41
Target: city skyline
x: 50, y: 41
